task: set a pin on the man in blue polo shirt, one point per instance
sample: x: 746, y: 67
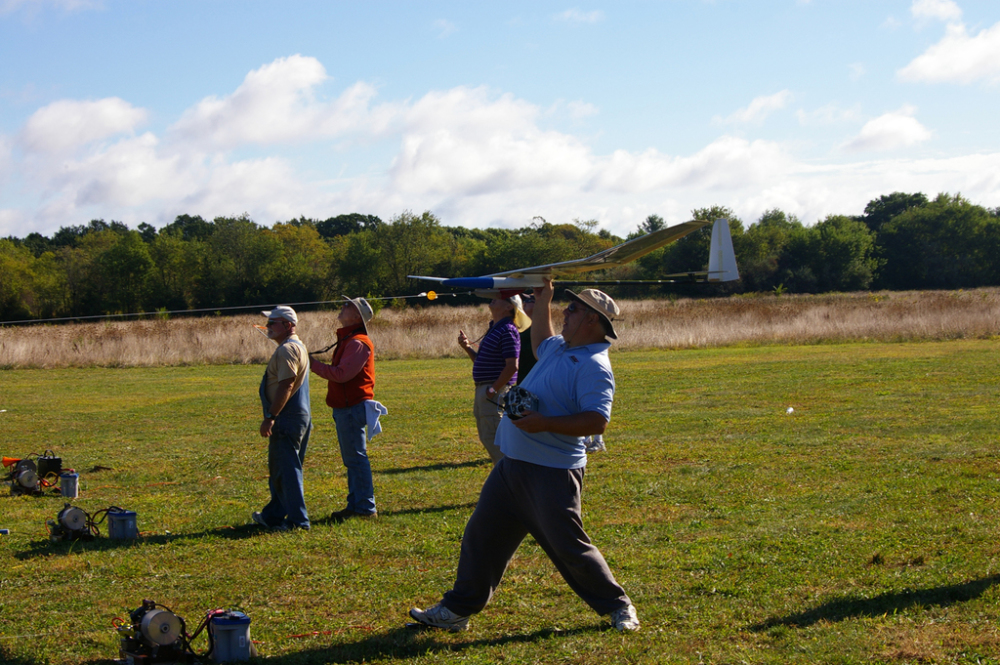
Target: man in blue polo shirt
x: 536, y: 487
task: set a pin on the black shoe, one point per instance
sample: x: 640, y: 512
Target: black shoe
x: 341, y: 515
x: 259, y: 520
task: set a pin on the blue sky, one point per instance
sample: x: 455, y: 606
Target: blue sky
x: 489, y: 114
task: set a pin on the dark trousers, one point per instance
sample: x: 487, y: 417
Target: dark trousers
x: 519, y: 498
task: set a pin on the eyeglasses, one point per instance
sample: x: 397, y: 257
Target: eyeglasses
x: 576, y: 307
x: 274, y: 321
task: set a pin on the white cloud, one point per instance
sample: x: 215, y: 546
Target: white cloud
x: 473, y: 156
x: 857, y: 70
x: 943, y: 10
x: 269, y: 187
x: 131, y: 172
x: 759, y: 109
x: 577, y: 16
x: 464, y: 142
x: 68, y: 124
x: 727, y: 162
x: 891, y: 131
x: 958, y: 58
x: 444, y: 27
x: 277, y: 104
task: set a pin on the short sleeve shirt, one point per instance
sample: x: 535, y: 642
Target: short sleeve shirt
x: 289, y: 360
x: 501, y: 342
x: 567, y: 381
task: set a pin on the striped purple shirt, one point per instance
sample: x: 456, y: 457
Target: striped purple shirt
x: 501, y: 342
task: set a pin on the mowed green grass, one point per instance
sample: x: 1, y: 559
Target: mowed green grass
x: 862, y: 527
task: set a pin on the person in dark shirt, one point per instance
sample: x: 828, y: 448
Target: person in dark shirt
x: 527, y: 359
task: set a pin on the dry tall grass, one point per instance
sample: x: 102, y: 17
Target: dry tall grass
x: 424, y: 332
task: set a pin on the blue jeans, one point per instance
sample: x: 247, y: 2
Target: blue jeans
x: 286, y: 451
x: 354, y: 451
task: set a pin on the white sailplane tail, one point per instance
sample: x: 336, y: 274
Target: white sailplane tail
x: 722, y: 258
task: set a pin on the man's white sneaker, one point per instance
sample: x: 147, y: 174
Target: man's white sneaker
x: 440, y: 616
x: 625, y: 619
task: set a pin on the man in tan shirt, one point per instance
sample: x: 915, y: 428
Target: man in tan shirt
x: 284, y: 397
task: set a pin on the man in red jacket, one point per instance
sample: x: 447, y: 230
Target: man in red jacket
x: 351, y: 376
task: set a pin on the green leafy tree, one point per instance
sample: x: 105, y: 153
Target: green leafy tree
x: 471, y: 247
x: 89, y: 284
x: 123, y: 269
x: 343, y: 225
x: 177, y: 264
x: 759, y: 250
x: 238, y: 263
x: 948, y: 243
x: 147, y: 231
x: 798, y: 259
x: 410, y: 245
x: 15, y: 282
x: 38, y: 244
x: 105, y: 272
x: 846, y: 255
x: 881, y: 210
x: 358, y: 268
x: 301, y: 272
x: 190, y: 228
x: 540, y: 244
x: 49, y: 291
x: 652, y: 223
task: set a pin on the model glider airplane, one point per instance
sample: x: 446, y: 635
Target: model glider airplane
x: 721, y: 264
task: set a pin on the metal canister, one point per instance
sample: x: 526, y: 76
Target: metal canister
x: 122, y: 525
x: 69, y: 484
x: 231, y: 634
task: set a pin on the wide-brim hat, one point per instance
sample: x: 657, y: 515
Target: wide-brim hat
x: 283, y: 312
x: 363, y: 308
x: 600, y: 302
x: 521, y: 319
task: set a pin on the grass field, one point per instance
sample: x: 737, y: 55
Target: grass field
x: 861, y: 528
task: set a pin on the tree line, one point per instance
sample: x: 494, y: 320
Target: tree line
x: 902, y: 241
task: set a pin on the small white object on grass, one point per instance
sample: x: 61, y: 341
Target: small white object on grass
x: 790, y: 410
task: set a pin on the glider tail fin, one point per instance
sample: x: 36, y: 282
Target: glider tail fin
x: 722, y: 258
